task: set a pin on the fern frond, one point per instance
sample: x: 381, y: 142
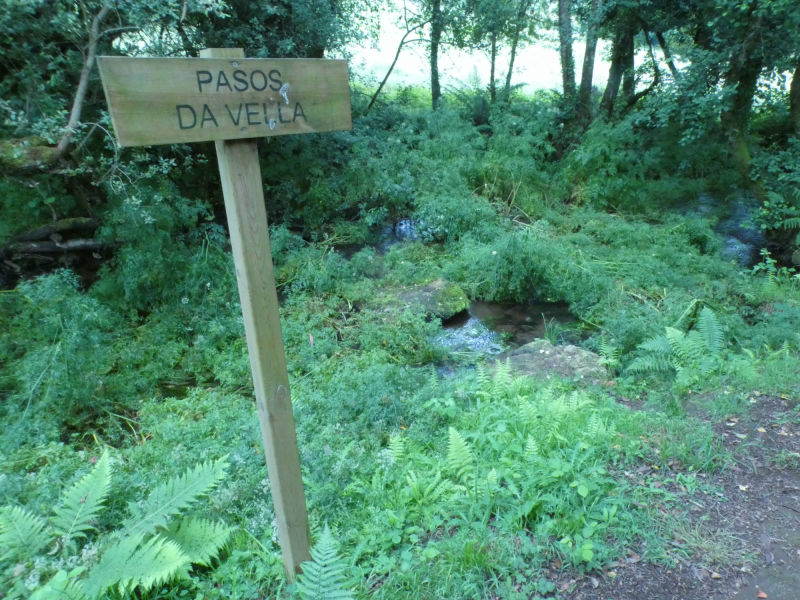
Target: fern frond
x: 789, y: 223
x: 657, y: 345
x: 199, y: 539
x: 531, y: 448
x: 81, y: 503
x: 322, y: 577
x: 22, y: 533
x: 397, y: 447
x: 503, y: 377
x: 132, y: 563
x: 595, y: 427
x: 527, y: 411
x: 484, y: 377
x: 62, y: 586
x: 653, y: 363
x: 172, y: 497
x: 711, y: 331
x: 426, y: 493
x: 677, y: 344
x: 610, y: 354
x: 459, y: 457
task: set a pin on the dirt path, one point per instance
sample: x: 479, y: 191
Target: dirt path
x: 755, y: 513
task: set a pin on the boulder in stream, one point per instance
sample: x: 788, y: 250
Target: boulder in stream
x: 439, y: 298
x: 542, y: 359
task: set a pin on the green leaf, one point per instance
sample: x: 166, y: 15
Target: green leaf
x: 133, y: 563
x: 22, y: 533
x: 583, y: 490
x: 322, y: 577
x: 199, y: 539
x: 81, y: 503
x: 62, y: 586
x: 171, y: 498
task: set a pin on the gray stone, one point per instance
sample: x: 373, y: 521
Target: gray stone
x: 542, y: 359
x: 439, y: 298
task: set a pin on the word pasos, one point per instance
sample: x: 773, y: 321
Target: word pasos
x: 239, y: 81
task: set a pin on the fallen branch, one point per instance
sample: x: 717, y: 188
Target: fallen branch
x: 59, y: 227
x: 51, y: 247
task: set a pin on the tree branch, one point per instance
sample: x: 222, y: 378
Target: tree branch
x: 403, y: 42
x: 83, y: 83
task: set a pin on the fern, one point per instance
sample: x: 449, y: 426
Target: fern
x: 199, y: 539
x: 62, y: 586
x: 595, y: 427
x: 688, y: 355
x: 711, y: 331
x: 134, y: 562
x: 171, y: 498
x: 789, y: 223
x: 323, y: 576
x: 143, y: 553
x: 609, y: 355
x: 460, y: 460
x: 502, y: 380
x: 22, y: 533
x: 81, y: 503
x: 397, y: 448
x: 531, y: 448
x: 425, y: 493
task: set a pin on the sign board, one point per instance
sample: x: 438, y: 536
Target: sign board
x: 225, y: 97
x: 181, y: 100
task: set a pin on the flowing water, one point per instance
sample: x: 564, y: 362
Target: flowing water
x: 494, y: 327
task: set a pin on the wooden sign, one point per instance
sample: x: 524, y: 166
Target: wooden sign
x: 180, y: 100
x: 222, y: 96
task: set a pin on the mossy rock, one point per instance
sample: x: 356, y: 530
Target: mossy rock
x: 20, y: 154
x: 439, y: 298
x: 542, y: 359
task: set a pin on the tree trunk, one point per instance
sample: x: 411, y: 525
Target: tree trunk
x: 629, y: 72
x: 794, y: 99
x: 523, y: 9
x: 585, y: 92
x: 667, y: 55
x: 742, y: 74
x: 492, y: 83
x: 623, y: 41
x: 436, y: 38
x: 565, y: 42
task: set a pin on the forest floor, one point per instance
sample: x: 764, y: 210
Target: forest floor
x: 750, y: 521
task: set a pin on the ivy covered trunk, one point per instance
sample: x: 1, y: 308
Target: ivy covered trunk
x: 621, y: 60
x: 742, y: 75
x: 565, y: 41
x: 794, y: 99
x: 583, y: 114
x: 436, y: 37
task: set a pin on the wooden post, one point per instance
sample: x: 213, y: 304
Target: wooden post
x: 229, y: 99
x: 242, y: 188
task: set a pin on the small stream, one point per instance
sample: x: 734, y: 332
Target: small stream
x: 494, y: 327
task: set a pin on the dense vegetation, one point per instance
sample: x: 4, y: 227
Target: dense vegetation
x: 128, y: 433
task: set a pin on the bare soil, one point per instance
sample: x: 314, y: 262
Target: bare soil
x: 754, y: 511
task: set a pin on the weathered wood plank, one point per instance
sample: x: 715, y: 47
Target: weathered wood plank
x: 182, y: 100
x: 247, y: 222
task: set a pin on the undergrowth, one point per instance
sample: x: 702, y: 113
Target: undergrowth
x: 426, y: 475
